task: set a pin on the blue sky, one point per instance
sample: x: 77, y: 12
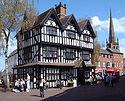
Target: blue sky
x: 98, y: 10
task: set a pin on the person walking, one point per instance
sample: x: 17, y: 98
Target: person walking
x: 104, y: 80
x: 22, y: 84
x: 111, y: 80
x: 107, y: 80
x: 42, y: 87
x: 28, y: 83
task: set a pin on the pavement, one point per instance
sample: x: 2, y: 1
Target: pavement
x: 82, y: 93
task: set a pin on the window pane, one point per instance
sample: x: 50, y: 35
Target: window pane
x: 51, y: 31
x: 71, y: 34
x: 50, y: 52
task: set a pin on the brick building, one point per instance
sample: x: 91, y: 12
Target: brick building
x: 111, y: 57
x: 124, y: 67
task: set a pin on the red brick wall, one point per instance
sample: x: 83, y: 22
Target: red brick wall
x: 116, y: 58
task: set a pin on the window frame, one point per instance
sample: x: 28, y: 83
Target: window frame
x: 51, y: 31
x: 69, y: 54
x: 85, y: 54
x: 50, y: 52
x: 71, y: 34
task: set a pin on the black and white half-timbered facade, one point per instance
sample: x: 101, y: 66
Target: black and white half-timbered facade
x: 56, y: 48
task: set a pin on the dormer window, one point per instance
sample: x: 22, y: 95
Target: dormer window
x: 51, y: 31
x: 71, y: 34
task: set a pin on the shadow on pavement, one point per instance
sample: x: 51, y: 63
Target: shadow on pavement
x: 64, y: 96
x: 35, y: 95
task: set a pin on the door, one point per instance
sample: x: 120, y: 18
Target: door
x: 81, y: 77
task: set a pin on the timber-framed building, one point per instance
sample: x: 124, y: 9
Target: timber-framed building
x: 56, y: 48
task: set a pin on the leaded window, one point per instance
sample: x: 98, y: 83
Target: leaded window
x: 27, y: 53
x: 71, y: 34
x: 51, y: 74
x: 69, y: 53
x: 86, y: 38
x: 26, y: 35
x: 50, y: 52
x: 64, y: 74
x: 51, y: 31
x: 85, y: 55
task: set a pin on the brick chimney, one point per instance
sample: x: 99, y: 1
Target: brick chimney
x: 61, y: 10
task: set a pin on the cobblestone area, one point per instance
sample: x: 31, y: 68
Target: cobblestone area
x: 83, y: 93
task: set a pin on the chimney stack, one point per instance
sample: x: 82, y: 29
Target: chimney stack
x: 61, y: 10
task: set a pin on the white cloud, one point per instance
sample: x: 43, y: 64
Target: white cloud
x: 122, y: 42
x: 122, y: 45
x: 101, y: 25
x: 119, y: 27
x: 119, y: 24
x: 12, y: 45
x: 122, y: 49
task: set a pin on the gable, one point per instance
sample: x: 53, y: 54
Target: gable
x: 50, y: 16
x: 87, y: 29
x: 52, y: 20
x: 70, y: 23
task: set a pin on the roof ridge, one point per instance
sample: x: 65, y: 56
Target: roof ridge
x: 83, y: 21
x: 44, y: 15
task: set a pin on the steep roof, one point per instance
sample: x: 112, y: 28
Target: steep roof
x: 82, y: 23
x: 114, y: 50
x: 69, y: 18
x: 64, y: 20
x: 103, y: 51
x: 41, y: 17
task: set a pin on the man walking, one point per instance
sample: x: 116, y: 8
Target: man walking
x: 107, y: 80
x: 42, y: 87
x: 111, y: 80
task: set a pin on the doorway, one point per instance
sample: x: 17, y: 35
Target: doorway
x: 81, y: 77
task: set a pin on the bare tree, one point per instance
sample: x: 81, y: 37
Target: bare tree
x: 11, y: 20
x: 95, y: 54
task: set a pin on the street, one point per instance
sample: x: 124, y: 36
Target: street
x: 83, y: 93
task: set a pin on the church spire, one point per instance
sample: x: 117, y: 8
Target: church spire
x: 111, y: 30
x: 117, y: 40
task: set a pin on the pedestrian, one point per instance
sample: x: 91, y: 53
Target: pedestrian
x: 111, y: 80
x: 28, y: 83
x: 42, y: 81
x: 104, y: 80
x: 22, y: 84
x: 107, y: 80
x: 16, y: 86
x: 25, y: 85
x: 93, y: 79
